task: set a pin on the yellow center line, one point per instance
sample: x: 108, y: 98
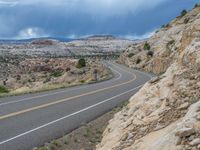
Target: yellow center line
x: 63, y: 100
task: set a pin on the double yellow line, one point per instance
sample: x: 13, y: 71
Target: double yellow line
x: 63, y: 100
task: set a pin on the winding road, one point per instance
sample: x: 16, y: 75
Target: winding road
x: 31, y: 120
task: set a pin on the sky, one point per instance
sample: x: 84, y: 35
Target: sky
x: 134, y: 19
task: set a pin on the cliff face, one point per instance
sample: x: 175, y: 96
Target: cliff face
x: 167, y: 44
x: 165, y: 113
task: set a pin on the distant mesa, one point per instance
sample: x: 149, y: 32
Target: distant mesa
x: 100, y: 37
x: 45, y: 42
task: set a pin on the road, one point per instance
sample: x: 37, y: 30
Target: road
x: 31, y: 120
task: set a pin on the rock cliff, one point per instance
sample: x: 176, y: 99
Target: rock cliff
x: 165, y: 113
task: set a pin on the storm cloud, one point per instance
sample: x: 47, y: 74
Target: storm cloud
x: 76, y: 18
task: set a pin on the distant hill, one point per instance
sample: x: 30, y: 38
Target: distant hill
x: 21, y: 41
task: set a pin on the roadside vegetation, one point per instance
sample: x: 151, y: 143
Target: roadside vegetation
x: 81, y: 63
x: 87, y: 136
x: 44, y: 74
x: 131, y: 55
x: 3, y: 89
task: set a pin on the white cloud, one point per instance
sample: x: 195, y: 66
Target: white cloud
x: 9, y: 3
x: 140, y: 37
x: 32, y: 32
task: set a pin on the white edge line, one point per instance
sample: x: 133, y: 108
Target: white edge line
x: 60, y: 119
x: 66, y: 90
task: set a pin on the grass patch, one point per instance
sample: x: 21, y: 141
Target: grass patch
x: 87, y: 132
x: 131, y: 55
x: 56, y: 74
x: 88, y: 135
x: 43, y: 148
x: 3, y: 89
x: 82, y: 81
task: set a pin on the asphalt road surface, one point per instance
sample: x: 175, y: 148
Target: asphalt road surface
x: 30, y: 120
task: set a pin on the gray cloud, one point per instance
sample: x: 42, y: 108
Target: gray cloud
x: 109, y: 7
x: 77, y: 18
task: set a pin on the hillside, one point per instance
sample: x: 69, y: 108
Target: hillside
x: 54, y: 48
x: 165, y: 113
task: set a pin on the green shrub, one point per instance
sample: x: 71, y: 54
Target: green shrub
x: 3, y: 89
x: 183, y: 13
x: 131, y: 55
x: 138, y: 60
x: 198, y: 66
x: 82, y: 81
x: 165, y: 26
x: 170, y: 43
x: 186, y: 20
x: 56, y: 74
x: 43, y: 148
x: 147, y: 46
x: 150, y: 53
x: 81, y: 63
x: 196, y: 5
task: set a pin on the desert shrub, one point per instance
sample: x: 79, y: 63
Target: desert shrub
x: 56, y: 74
x: 147, y: 46
x: 18, y: 77
x: 131, y: 55
x: 198, y: 66
x: 3, y: 89
x: 186, y: 20
x: 68, y: 69
x: 170, y: 43
x: 183, y: 13
x: 82, y: 81
x: 196, y: 5
x: 138, y: 60
x: 165, y: 26
x: 48, y: 79
x: 46, y: 61
x: 150, y: 53
x: 81, y: 63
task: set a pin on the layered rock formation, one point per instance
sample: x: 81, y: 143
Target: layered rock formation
x: 165, y: 113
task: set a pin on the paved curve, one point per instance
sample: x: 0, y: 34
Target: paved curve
x: 31, y: 120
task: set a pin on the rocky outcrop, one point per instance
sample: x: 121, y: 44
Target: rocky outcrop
x: 164, y: 114
x: 167, y: 44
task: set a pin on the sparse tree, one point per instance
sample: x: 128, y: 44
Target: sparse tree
x: 81, y: 63
x: 147, y: 46
x: 183, y: 13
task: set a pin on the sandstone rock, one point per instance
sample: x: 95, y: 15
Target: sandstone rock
x: 185, y: 132
x: 184, y: 106
x: 198, y: 146
x: 178, y: 142
x: 194, y: 148
x: 195, y: 142
x: 191, y: 138
x: 198, y: 117
x: 130, y: 136
x: 165, y: 101
x: 154, y: 80
x: 124, y: 137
